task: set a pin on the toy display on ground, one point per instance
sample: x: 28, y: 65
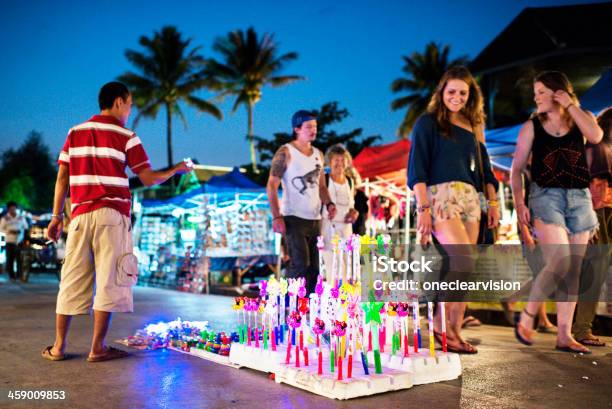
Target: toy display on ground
x: 192, y: 337
x: 330, y: 342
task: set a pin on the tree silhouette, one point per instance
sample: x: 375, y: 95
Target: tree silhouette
x: 248, y: 63
x: 27, y: 175
x: 423, y: 71
x: 170, y: 73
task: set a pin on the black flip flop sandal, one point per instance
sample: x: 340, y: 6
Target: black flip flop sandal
x: 572, y: 350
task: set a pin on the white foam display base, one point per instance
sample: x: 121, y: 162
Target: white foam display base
x: 329, y: 386
x: 209, y: 356
x: 444, y: 366
x: 260, y: 359
x: 398, y: 372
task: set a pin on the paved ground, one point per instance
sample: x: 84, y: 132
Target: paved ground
x: 502, y: 375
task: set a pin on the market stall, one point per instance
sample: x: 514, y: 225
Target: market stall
x: 221, y: 226
x: 383, y: 170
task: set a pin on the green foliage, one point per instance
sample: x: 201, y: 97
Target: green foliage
x: 423, y: 71
x: 248, y: 63
x: 328, y: 116
x: 19, y: 190
x: 27, y: 175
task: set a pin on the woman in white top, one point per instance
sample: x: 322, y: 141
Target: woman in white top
x: 341, y: 189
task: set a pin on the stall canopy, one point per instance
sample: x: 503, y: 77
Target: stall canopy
x: 233, y: 181
x: 599, y: 96
x: 230, y: 183
x: 388, y: 162
x: 501, y: 143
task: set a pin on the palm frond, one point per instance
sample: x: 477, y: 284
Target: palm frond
x: 403, y: 102
x: 179, y: 112
x: 240, y: 100
x: 204, y: 106
x: 422, y: 72
x: 284, y: 80
x: 149, y: 111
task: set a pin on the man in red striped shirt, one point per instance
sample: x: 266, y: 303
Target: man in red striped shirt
x: 99, y: 247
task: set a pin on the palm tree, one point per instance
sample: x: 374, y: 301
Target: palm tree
x: 170, y: 73
x: 248, y: 63
x: 423, y: 71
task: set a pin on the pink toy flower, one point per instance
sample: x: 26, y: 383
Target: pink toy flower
x: 294, y: 320
x: 339, y: 328
x: 319, y: 326
x: 263, y: 288
x: 319, y: 287
x: 402, y: 309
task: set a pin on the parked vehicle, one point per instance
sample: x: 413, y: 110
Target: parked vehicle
x: 37, y: 254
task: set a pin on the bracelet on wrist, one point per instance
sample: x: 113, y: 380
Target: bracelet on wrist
x: 568, y: 106
x: 329, y: 204
x: 493, y: 203
x: 57, y: 216
x: 277, y: 217
x: 423, y: 208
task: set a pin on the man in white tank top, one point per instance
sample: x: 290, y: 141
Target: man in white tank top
x: 298, y: 167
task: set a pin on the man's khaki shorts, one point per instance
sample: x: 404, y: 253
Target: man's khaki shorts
x: 96, y: 241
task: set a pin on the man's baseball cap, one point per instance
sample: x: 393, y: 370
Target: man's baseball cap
x: 300, y: 117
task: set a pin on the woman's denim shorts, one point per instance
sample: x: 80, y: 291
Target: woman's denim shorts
x: 571, y: 209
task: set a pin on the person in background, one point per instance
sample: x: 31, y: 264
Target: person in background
x: 361, y: 205
x: 560, y: 205
x: 298, y: 167
x: 13, y: 225
x: 533, y: 255
x: 341, y: 188
x: 599, y: 159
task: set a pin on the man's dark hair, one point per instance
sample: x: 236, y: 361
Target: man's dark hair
x: 11, y: 204
x: 110, y: 92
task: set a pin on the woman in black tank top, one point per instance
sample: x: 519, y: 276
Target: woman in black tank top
x: 559, y: 201
x: 559, y: 161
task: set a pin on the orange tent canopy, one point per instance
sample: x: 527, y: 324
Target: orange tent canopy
x: 389, y: 162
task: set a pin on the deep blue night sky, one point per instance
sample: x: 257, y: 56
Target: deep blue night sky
x: 57, y: 55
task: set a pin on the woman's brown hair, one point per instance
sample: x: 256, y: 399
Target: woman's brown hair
x: 557, y: 81
x: 604, y: 120
x: 473, y: 110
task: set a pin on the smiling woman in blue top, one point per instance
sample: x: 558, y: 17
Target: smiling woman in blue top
x: 447, y: 159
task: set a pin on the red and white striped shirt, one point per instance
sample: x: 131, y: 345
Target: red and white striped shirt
x: 96, y: 153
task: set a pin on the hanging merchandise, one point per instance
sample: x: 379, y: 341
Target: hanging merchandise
x: 222, y: 226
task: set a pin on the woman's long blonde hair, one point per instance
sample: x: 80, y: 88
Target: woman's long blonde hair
x: 473, y: 110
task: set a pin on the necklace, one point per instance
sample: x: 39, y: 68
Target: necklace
x: 556, y: 132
